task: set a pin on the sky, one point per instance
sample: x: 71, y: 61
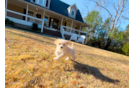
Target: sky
x: 80, y: 5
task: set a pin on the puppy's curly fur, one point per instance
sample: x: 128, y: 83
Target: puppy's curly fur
x: 62, y: 49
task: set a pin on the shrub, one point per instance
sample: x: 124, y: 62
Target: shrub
x: 125, y: 48
x: 34, y: 27
x: 9, y: 22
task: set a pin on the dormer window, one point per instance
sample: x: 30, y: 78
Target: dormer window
x: 72, y: 13
x: 72, y: 10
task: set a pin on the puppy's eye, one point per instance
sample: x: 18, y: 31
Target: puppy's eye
x: 63, y: 44
x: 59, y: 43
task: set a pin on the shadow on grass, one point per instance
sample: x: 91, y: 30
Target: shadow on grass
x: 107, y: 58
x: 85, y: 69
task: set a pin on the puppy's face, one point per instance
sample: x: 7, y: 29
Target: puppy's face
x: 61, y: 44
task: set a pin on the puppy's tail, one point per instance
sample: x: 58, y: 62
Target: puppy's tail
x: 72, y: 45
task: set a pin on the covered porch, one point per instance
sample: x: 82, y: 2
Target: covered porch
x: 25, y: 13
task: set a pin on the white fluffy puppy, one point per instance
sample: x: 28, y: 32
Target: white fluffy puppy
x: 63, y: 50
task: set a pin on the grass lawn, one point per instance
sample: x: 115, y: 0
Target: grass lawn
x: 29, y: 64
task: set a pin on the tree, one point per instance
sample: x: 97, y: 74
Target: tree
x: 125, y: 47
x: 121, y: 41
x: 105, y: 28
x: 104, y: 32
x: 119, y: 8
x: 95, y: 21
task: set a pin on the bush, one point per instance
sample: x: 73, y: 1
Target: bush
x: 34, y: 27
x: 91, y: 42
x: 125, y: 48
x: 8, y: 22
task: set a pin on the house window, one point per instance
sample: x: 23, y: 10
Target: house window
x: 46, y: 21
x: 38, y: 15
x: 34, y: 0
x: 76, y: 27
x: 30, y: 13
x: 40, y: 2
x: 46, y: 3
x: 72, y: 12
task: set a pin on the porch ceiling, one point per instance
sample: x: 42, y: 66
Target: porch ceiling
x: 18, y: 3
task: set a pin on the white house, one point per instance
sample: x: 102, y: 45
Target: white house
x: 52, y: 16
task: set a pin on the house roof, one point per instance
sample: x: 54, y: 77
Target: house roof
x: 61, y: 8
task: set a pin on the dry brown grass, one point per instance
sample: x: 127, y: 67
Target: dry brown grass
x: 29, y: 64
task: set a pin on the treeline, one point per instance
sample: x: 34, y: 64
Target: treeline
x: 101, y: 35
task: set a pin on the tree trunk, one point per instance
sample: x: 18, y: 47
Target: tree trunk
x: 108, y: 44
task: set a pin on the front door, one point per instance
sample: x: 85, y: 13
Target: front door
x: 55, y: 23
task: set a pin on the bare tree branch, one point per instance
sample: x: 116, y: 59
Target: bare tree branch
x: 113, y: 5
x: 86, y: 5
x: 103, y: 8
x: 125, y: 9
x: 116, y: 13
x: 119, y: 14
x: 126, y: 18
x: 119, y: 7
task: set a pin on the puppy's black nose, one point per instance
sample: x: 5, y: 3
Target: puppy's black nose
x: 61, y: 46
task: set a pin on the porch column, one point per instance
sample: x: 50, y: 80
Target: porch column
x: 79, y: 29
x: 51, y: 23
x: 62, y: 21
x: 6, y: 9
x: 26, y: 12
x: 43, y: 22
x: 48, y: 20
x: 61, y: 29
x: 71, y: 26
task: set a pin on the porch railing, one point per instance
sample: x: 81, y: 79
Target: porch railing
x: 18, y: 18
x: 70, y: 31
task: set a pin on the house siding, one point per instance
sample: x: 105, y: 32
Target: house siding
x: 68, y: 24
